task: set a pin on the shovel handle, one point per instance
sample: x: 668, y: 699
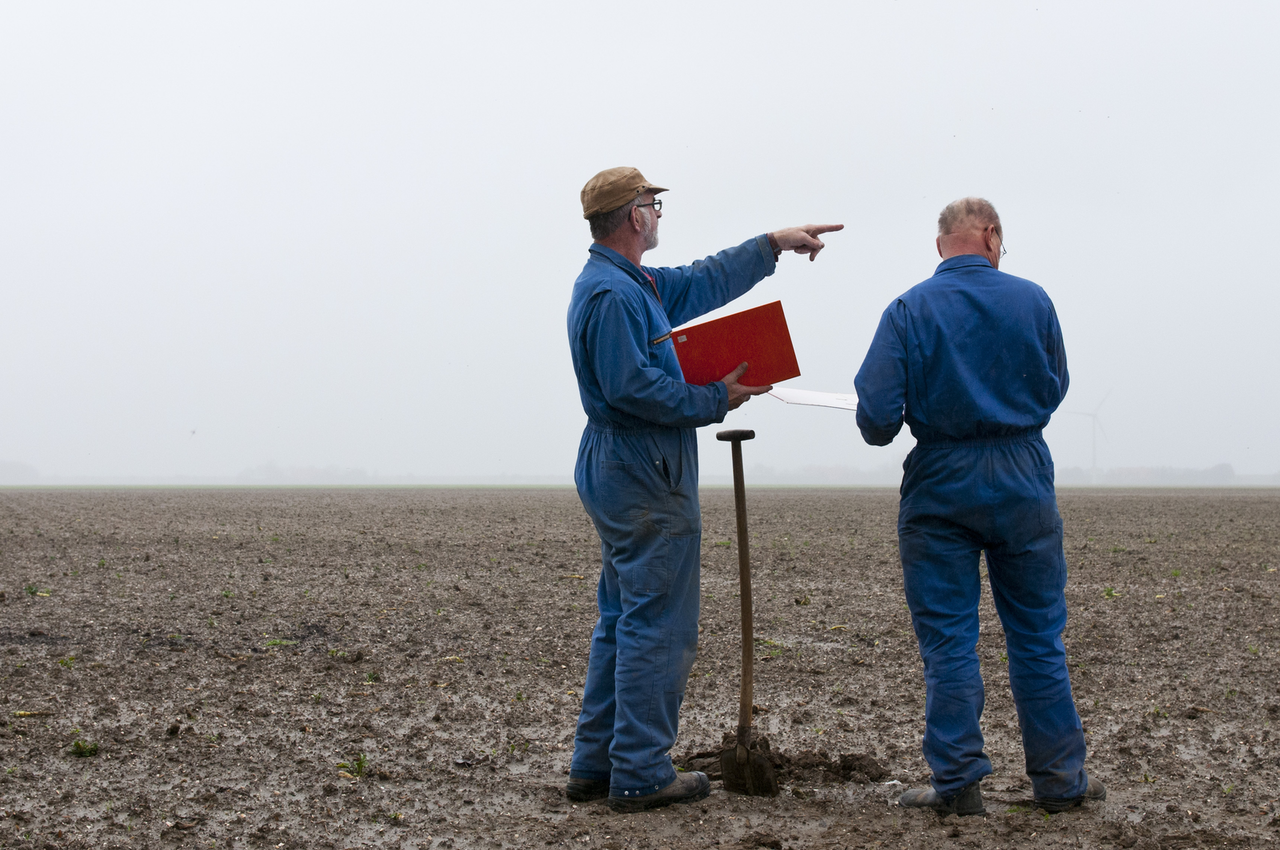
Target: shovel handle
x: 744, y: 579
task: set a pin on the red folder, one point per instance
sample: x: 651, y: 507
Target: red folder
x: 758, y: 336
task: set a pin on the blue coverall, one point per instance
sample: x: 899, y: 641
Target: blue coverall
x: 972, y: 359
x: 637, y: 475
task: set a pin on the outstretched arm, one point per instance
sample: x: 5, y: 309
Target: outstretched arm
x: 803, y: 240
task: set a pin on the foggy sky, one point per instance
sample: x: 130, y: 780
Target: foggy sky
x: 343, y: 235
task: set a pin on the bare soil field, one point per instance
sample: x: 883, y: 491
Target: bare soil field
x: 402, y: 669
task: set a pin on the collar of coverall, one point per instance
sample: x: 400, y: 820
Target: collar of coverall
x: 639, y: 275
x: 620, y: 261
x: 963, y: 260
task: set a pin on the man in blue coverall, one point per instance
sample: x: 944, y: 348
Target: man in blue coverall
x: 637, y: 475
x: 972, y: 360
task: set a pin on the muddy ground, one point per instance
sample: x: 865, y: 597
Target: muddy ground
x: 402, y: 669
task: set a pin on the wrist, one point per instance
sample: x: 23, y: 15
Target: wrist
x: 773, y: 245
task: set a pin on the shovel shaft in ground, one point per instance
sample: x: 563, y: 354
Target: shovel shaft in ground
x: 745, y: 768
x: 744, y: 578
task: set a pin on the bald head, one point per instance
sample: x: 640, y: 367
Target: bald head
x: 968, y: 214
x: 970, y: 226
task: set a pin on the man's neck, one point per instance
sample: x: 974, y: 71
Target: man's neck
x: 632, y: 249
x: 960, y: 244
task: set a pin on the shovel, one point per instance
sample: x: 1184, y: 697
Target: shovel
x: 746, y: 769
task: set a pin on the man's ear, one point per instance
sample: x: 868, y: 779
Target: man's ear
x: 937, y: 243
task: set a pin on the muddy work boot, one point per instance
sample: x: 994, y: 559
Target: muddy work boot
x: 1094, y: 792
x: 688, y: 788
x: 967, y: 802
x: 581, y: 790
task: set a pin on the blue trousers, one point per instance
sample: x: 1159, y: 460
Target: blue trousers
x: 640, y: 488
x: 997, y: 497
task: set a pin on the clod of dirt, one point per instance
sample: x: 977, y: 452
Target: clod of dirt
x: 806, y: 766
x: 705, y: 762
x: 174, y: 729
x: 852, y: 764
x: 816, y: 766
x: 759, y: 839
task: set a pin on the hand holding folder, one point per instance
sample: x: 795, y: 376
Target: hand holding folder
x: 756, y: 338
x: 739, y: 393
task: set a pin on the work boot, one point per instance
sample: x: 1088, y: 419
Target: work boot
x: 688, y: 787
x: 967, y: 802
x: 1095, y: 791
x: 581, y: 790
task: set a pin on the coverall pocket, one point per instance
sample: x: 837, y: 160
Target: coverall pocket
x: 1047, y: 497
x: 620, y: 490
x: 653, y: 578
x: 667, y: 458
x: 647, y: 571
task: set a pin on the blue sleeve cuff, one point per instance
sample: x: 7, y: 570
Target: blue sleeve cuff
x: 770, y: 261
x: 722, y: 400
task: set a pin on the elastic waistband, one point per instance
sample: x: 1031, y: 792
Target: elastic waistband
x: 1025, y: 437
x: 611, y: 429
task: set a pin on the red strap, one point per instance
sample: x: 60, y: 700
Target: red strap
x: 655, y: 288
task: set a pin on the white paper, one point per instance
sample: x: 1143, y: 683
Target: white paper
x: 840, y: 401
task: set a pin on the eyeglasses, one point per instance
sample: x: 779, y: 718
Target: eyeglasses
x: 1003, y: 250
x: 656, y: 204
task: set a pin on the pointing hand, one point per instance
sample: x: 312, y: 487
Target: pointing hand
x: 804, y: 240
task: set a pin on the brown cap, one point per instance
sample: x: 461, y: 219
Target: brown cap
x: 612, y: 188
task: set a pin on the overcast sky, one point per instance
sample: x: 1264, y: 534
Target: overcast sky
x: 344, y: 235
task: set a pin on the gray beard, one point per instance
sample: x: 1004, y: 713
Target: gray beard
x: 652, y: 241
x: 650, y: 235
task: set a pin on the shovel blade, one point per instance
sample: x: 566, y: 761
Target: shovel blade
x: 755, y: 777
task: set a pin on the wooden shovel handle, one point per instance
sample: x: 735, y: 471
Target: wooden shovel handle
x: 744, y: 580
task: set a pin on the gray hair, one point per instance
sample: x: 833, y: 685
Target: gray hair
x: 977, y: 213
x: 606, y: 224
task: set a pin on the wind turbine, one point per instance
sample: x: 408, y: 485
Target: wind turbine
x: 1096, y: 427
